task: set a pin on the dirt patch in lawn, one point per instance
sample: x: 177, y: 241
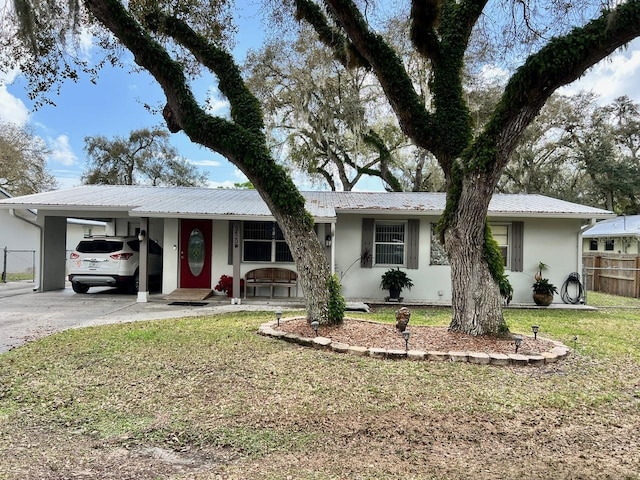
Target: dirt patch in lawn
x: 379, y: 335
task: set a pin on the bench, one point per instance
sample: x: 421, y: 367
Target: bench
x: 270, y: 277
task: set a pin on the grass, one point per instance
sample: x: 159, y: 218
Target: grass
x: 229, y: 403
x: 19, y: 277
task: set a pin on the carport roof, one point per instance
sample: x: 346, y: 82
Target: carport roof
x: 147, y: 201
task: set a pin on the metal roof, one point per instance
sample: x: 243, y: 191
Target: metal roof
x: 150, y: 201
x: 624, y: 226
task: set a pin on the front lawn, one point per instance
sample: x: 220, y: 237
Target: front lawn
x: 207, y: 398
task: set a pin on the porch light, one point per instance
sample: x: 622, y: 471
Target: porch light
x: 406, y: 334
x: 517, y: 340
x: 327, y: 241
x: 278, y: 316
x: 315, y: 324
x: 141, y: 235
x: 535, y: 329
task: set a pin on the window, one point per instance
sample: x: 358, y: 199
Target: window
x: 593, y: 244
x: 608, y: 245
x: 264, y: 242
x: 501, y: 235
x: 389, y: 243
x: 509, y: 237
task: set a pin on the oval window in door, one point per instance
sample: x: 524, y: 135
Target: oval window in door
x: 195, y: 252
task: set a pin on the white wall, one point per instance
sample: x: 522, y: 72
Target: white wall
x: 171, y: 256
x: 555, y: 242
x: 364, y: 283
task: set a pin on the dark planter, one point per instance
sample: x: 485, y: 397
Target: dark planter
x: 543, y: 299
x: 394, y: 295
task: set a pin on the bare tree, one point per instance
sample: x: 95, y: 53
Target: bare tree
x: 23, y: 161
x: 144, y: 157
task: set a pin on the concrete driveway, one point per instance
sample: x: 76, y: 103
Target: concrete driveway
x: 26, y: 315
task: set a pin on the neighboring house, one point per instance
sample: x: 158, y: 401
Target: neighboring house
x: 614, y: 235
x: 239, y: 234
x: 20, y: 234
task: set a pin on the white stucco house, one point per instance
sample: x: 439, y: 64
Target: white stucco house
x: 613, y: 235
x: 239, y: 234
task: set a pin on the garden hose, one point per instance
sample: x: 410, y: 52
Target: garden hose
x: 573, y: 280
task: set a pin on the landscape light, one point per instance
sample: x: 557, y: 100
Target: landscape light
x: 406, y: 334
x: 278, y: 315
x: 517, y: 340
x: 315, y: 324
x: 535, y: 329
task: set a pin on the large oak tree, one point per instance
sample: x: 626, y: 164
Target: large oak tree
x: 472, y: 162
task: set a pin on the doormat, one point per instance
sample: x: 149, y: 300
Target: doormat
x: 189, y: 304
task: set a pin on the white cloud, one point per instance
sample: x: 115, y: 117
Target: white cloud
x: 494, y: 74
x: 205, y: 163
x: 61, y: 151
x: 217, y: 107
x: 612, y: 77
x: 12, y: 109
x: 225, y: 184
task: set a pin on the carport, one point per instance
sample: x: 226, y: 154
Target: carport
x: 55, y: 207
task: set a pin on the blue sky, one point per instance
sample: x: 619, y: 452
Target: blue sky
x: 115, y: 106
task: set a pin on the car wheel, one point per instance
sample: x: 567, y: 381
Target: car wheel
x: 135, y: 284
x: 79, y: 287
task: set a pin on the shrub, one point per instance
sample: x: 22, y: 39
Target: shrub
x: 337, y: 304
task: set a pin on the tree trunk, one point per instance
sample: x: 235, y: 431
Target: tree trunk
x: 476, y: 303
x: 311, y: 262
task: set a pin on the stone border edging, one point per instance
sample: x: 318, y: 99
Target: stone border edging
x: 558, y: 352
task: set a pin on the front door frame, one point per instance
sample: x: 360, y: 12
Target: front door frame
x: 188, y: 228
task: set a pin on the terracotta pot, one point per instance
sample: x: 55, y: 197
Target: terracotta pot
x: 543, y: 299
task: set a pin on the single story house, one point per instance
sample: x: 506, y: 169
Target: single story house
x: 239, y: 234
x: 614, y: 235
x: 20, y: 235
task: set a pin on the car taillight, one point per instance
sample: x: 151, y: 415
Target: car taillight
x: 121, y: 256
x: 74, y: 255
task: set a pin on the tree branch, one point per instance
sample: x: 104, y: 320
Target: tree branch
x: 559, y: 63
x: 245, y: 108
x: 414, y: 120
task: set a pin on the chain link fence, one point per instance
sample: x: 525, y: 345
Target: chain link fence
x: 18, y: 265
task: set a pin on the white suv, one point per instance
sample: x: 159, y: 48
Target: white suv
x: 111, y: 261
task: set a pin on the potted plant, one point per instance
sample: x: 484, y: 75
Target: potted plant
x: 395, y: 280
x: 225, y: 284
x: 543, y: 292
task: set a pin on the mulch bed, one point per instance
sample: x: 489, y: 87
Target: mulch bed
x: 379, y: 335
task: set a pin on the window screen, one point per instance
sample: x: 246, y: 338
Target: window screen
x: 390, y: 243
x: 264, y: 242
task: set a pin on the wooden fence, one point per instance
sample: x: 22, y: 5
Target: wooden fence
x: 616, y: 274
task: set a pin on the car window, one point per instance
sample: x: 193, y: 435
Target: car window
x: 134, y: 245
x: 99, y: 246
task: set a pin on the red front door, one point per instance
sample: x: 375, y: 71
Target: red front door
x: 195, y: 254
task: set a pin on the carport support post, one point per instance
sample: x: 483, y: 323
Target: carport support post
x: 237, y: 294
x: 143, y: 276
